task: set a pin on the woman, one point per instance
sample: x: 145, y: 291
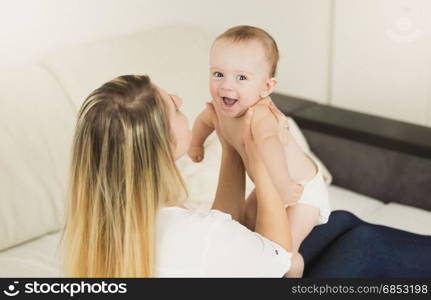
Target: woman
x: 127, y: 214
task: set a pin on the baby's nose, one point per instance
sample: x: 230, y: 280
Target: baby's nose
x: 226, y: 85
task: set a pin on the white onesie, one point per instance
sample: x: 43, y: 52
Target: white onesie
x: 315, y: 193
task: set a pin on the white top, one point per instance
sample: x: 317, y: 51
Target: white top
x: 211, y: 244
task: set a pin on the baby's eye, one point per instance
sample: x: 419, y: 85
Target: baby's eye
x: 241, y: 77
x: 217, y: 75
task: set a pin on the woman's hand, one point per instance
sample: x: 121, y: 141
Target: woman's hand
x: 268, y: 121
x: 283, y: 125
x: 268, y: 128
x: 262, y: 124
x: 251, y: 146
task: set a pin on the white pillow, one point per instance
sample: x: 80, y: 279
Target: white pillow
x: 36, y: 125
x: 175, y: 57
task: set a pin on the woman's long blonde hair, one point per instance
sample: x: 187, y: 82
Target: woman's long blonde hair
x: 123, y: 170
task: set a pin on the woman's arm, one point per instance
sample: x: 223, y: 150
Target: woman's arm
x: 272, y: 150
x: 271, y: 218
x: 230, y: 194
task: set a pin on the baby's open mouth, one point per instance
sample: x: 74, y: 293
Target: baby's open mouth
x: 229, y: 101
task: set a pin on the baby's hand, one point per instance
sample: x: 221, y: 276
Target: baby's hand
x: 294, y: 192
x: 196, y: 153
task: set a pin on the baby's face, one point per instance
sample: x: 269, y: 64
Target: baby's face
x: 239, y: 75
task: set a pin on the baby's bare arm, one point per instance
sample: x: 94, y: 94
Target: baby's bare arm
x: 202, y: 128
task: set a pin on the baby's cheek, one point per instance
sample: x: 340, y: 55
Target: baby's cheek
x: 250, y: 100
x: 213, y: 87
x: 213, y: 93
x: 252, y: 94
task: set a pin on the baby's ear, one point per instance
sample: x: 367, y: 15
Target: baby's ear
x: 269, y: 87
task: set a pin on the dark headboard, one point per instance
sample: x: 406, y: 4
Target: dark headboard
x: 382, y: 158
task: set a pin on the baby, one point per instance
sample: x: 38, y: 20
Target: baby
x: 243, y: 63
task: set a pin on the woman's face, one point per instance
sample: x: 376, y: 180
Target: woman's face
x: 179, y: 123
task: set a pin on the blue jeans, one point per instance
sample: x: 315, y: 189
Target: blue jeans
x: 349, y: 247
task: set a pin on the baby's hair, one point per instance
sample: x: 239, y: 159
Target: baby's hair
x: 243, y: 33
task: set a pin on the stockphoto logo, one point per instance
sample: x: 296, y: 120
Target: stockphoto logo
x: 70, y: 289
x: 11, y: 289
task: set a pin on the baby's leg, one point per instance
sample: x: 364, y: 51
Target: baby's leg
x: 302, y: 219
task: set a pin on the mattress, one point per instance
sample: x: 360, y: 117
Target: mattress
x: 41, y: 257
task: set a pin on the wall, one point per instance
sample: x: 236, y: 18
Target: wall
x: 34, y: 28
x: 382, y: 58
x: 371, y: 56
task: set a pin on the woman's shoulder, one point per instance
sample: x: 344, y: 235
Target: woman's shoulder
x: 188, y: 221
x: 175, y: 216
